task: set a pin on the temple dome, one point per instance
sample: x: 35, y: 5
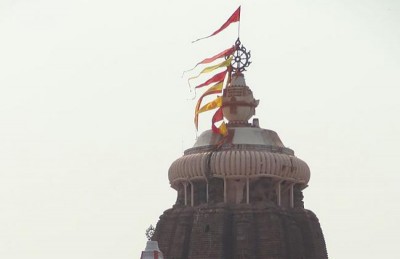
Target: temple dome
x: 249, y: 152
x: 239, y: 192
x: 242, y: 136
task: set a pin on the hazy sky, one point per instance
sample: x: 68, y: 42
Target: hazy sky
x: 93, y: 110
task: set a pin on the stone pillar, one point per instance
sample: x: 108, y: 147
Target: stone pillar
x: 278, y: 194
x: 207, y: 191
x: 225, y: 187
x: 185, y: 187
x: 291, y: 195
x: 247, y: 191
x: 191, y: 194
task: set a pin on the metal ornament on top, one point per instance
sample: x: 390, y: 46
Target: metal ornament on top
x: 241, y: 58
x: 238, y: 103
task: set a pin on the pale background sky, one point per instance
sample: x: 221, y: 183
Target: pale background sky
x: 93, y: 110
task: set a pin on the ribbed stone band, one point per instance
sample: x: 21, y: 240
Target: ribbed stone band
x: 239, y: 164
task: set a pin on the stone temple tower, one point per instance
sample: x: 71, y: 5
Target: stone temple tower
x: 239, y: 197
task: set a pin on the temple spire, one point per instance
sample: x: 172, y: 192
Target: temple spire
x: 238, y: 103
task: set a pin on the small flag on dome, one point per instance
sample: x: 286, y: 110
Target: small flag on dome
x: 217, y: 102
x: 222, y: 54
x: 235, y: 17
x: 215, y: 89
x: 216, y: 78
x: 224, y: 63
x: 222, y: 129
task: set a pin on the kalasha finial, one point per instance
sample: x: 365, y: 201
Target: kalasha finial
x: 150, y: 232
x: 238, y: 103
x: 241, y: 58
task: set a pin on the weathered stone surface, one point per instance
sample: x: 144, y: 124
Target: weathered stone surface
x: 224, y: 231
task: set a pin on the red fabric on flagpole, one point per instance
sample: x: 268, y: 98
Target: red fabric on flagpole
x: 235, y: 17
x: 216, y: 78
x: 218, y: 116
x: 196, y: 116
x: 224, y: 53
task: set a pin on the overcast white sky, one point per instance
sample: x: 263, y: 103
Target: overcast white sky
x: 93, y: 110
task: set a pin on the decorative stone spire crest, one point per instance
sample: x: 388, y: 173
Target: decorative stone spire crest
x: 238, y: 103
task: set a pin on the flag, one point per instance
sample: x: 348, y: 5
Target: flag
x: 224, y: 53
x: 217, y: 102
x: 222, y: 129
x: 215, y: 89
x: 235, y: 17
x: 220, y: 77
x: 224, y: 63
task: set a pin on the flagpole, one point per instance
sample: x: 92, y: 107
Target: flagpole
x: 239, y: 29
x: 239, y: 22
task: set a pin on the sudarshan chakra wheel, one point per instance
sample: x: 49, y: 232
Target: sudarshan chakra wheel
x: 241, y: 58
